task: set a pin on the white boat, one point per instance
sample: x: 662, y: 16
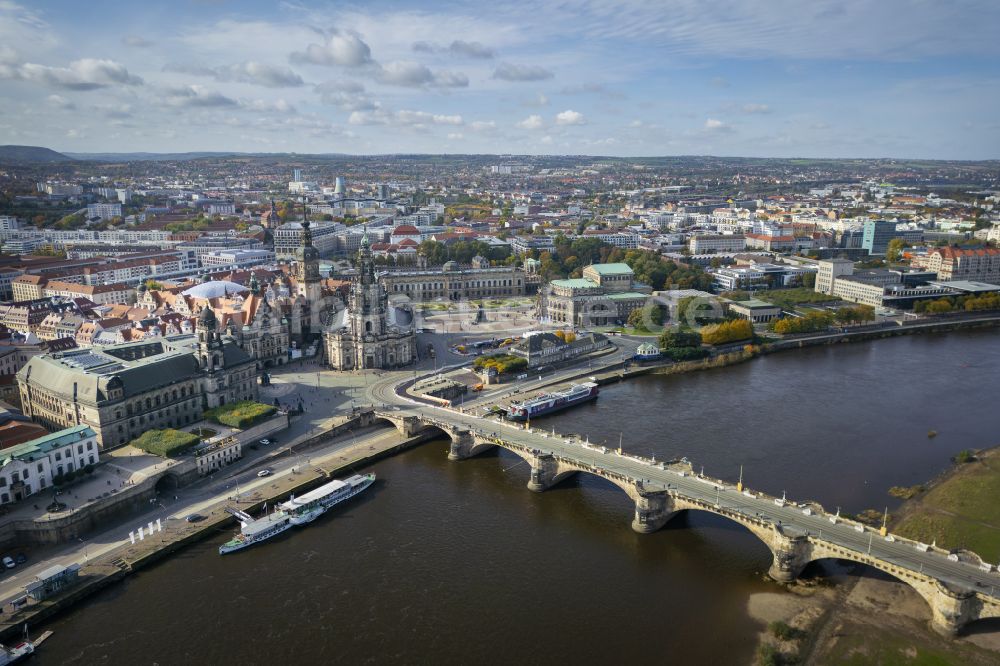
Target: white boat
x: 255, y: 530
x: 11, y: 655
x: 315, y: 503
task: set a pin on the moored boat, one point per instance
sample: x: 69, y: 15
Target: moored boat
x: 548, y: 403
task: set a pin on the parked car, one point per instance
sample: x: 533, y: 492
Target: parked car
x: 264, y: 442
x: 9, y: 562
x: 195, y: 518
x: 21, y: 558
x: 264, y: 472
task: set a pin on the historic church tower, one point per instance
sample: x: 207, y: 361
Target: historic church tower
x: 368, y: 300
x: 210, y: 354
x: 307, y: 259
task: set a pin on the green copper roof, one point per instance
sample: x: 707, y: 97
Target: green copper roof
x: 576, y: 283
x: 611, y: 269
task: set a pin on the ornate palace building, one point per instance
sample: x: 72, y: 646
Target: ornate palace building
x: 124, y: 390
x: 367, y: 334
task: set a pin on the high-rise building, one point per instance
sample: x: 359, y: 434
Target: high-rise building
x: 877, y: 234
x: 297, y: 175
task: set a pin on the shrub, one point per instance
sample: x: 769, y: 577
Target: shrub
x: 58, y: 479
x: 89, y: 469
x: 965, y: 456
x: 685, y: 353
x: 782, y: 631
x: 502, y: 363
x: 165, y: 443
x: 767, y: 655
x: 240, y: 414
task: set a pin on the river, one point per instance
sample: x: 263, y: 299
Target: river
x: 457, y: 563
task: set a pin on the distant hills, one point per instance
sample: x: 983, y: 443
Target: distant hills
x: 30, y: 155
x: 148, y: 157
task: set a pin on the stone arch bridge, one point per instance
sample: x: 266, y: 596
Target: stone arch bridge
x: 660, y: 492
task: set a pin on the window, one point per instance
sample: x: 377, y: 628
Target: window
x: 58, y: 455
x: 90, y: 445
x: 3, y: 483
x: 40, y: 468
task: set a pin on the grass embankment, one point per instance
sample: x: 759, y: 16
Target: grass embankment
x: 960, y: 510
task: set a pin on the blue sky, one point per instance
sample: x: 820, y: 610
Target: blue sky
x: 828, y: 78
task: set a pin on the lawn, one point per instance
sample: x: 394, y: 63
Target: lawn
x: 960, y: 511
x: 165, y: 443
x: 240, y: 414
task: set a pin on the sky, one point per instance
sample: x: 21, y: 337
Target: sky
x: 757, y: 78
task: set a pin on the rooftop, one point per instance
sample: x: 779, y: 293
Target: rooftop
x: 611, y: 269
x: 47, y: 442
x: 576, y: 283
x: 755, y: 303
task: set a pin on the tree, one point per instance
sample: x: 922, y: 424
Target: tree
x: 894, y: 252
x: 673, y: 338
x: 809, y: 280
x: 728, y: 331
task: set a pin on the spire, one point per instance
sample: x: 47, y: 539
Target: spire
x: 254, y: 285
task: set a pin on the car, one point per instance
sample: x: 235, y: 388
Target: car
x: 264, y: 472
x: 21, y: 558
x: 264, y: 442
x: 8, y: 562
x: 195, y: 518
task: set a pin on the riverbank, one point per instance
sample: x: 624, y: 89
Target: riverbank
x: 958, y: 509
x: 100, y: 572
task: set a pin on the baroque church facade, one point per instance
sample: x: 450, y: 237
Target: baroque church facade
x: 366, y: 334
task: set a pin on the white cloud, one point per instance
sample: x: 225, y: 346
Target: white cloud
x: 402, y: 118
x: 84, y: 74
x: 346, y: 49
x: 60, y: 102
x: 756, y: 108
x: 532, y: 122
x: 714, y: 125
x: 506, y: 71
x: 545, y: 139
x: 251, y: 72
x: 197, y: 96
x: 459, y: 47
x: 346, y: 96
x: 483, y: 125
x: 570, y: 117
x: 414, y: 75
x: 456, y: 136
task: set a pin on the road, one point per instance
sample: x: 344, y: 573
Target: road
x: 237, y: 481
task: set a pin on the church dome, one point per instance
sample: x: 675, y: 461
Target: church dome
x: 215, y: 289
x: 449, y: 266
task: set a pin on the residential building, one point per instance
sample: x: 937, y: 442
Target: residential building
x: 702, y: 244
x: 216, y: 455
x: 105, y: 211
x: 952, y: 263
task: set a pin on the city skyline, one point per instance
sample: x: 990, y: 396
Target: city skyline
x: 893, y: 79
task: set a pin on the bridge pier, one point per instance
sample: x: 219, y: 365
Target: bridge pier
x: 652, y: 511
x: 462, y: 443
x: 951, y: 610
x: 545, y: 473
x: 790, y: 557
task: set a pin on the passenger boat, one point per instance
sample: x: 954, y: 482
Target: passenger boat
x: 315, y: 503
x: 548, y: 403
